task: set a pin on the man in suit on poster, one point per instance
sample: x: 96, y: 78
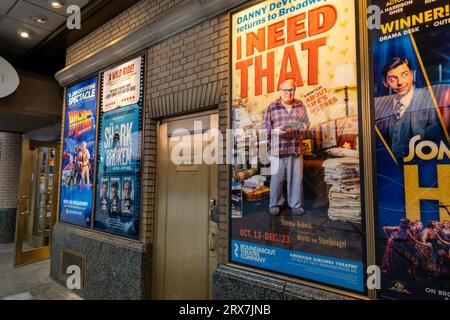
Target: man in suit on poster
x: 115, y: 200
x: 126, y: 204
x: 129, y: 217
x: 104, y: 203
x: 408, y: 112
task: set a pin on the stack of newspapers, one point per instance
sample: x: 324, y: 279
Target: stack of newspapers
x: 342, y: 174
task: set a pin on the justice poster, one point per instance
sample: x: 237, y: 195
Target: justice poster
x: 78, y: 153
x: 411, y: 76
x: 118, y: 201
x: 296, y: 188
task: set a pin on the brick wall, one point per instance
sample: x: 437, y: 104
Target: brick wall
x: 189, y: 59
x: 10, y: 158
x: 122, y: 24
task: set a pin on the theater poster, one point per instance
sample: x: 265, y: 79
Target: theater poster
x: 296, y: 185
x: 411, y: 78
x: 118, y: 164
x: 122, y: 85
x: 77, y: 178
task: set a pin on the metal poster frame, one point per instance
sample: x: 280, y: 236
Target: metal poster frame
x: 365, y: 152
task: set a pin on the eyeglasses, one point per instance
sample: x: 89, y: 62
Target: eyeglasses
x: 287, y: 90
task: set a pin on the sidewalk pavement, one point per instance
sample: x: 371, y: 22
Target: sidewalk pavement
x: 29, y: 282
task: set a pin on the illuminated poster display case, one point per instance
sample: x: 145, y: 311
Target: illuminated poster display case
x: 118, y: 196
x: 341, y: 147
x: 297, y: 193
x: 79, y: 148
x: 109, y: 198
x: 411, y: 86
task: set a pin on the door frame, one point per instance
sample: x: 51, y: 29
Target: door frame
x: 161, y: 196
x: 24, y: 202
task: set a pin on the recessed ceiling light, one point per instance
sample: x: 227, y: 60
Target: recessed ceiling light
x: 39, y: 18
x: 55, y: 3
x: 23, y: 33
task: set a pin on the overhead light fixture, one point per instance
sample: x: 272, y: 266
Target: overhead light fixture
x: 9, y: 79
x: 23, y: 33
x: 39, y: 18
x: 56, y: 4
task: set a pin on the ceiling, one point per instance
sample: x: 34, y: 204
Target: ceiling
x: 16, y: 15
x: 48, y: 42
x: 38, y: 99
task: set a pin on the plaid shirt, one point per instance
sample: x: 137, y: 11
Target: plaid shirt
x: 276, y: 116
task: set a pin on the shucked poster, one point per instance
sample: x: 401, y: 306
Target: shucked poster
x: 78, y: 153
x: 304, y: 220
x: 412, y: 118
x: 117, y: 208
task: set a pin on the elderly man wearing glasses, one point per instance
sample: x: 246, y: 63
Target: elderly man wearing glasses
x: 286, y: 121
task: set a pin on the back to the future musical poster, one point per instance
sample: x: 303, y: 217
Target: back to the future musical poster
x: 78, y: 154
x: 411, y: 77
